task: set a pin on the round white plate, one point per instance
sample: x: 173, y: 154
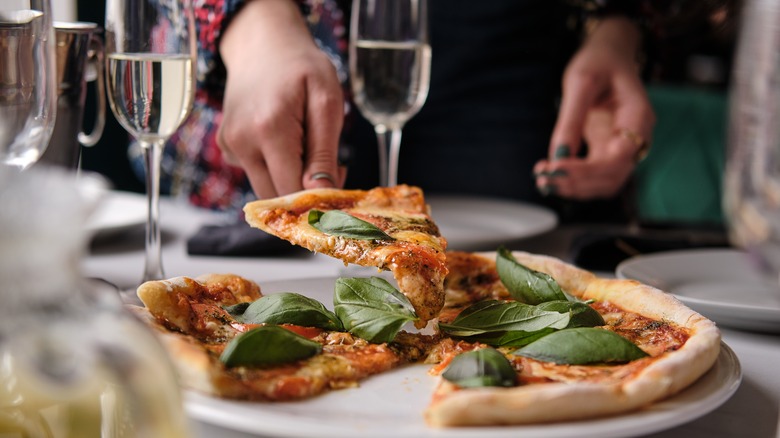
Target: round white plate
x: 718, y: 283
x: 471, y: 223
x: 117, y: 212
x: 391, y: 404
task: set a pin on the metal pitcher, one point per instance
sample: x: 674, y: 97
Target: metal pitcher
x: 79, y: 54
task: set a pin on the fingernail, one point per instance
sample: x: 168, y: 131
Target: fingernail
x: 548, y: 189
x: 557, y: 172
x: 562, y: 151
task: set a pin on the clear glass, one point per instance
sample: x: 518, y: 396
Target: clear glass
x: 150, y: 70
x: 74, y: 362
x: 28, y: 89
x: 390, y: 69
x: 752, y: 180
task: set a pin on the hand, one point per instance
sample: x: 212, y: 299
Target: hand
x: 604, y: 103
x: 283, y: 107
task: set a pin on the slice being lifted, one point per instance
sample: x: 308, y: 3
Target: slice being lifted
x: 389, y: 228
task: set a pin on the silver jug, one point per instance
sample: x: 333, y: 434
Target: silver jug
x: 79, y: 52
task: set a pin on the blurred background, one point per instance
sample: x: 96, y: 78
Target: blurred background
x: 690, y: 46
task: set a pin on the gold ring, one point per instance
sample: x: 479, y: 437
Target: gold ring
x: 323, y: 175
x: 643, y: 147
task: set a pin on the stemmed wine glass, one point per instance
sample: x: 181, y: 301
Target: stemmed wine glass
x: 390, y: 64
x: 150, y: 61
x: 28, y: 88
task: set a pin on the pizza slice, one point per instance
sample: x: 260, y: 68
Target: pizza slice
x: 662, y: 345
x: 220, y: 354
x: 389, y: 228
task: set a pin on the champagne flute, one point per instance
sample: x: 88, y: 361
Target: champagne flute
x: 28, y: 88
x: 390, y: 66
x: 150, y: 58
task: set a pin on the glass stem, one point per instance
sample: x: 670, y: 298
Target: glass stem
x: 153, y: 265
x: 389, y: 141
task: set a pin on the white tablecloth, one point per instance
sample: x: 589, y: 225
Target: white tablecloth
x: 753, y: 411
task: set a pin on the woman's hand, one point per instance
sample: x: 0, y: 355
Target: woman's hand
x: 605, y: 104
x: 283, y: 106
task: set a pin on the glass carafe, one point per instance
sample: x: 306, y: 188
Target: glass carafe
x: 73, y: 361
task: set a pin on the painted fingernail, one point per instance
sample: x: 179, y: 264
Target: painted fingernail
x: 562, y: 151
x: 557, y: 172
x: 548, y: 189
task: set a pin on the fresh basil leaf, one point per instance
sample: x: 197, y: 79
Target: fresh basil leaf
x: 582, y: 315
x: 478, y: 368
x: 509, y: 339
x: 338, y: 223
x: 500, y: 316
x: 237, y: 310
x: 268, y: 345
x: 289, y: 308
x: 371, y: 308
x: 525, y: 284
x: 583, y: 345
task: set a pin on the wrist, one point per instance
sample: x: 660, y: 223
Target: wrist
x: 258, y: 25
x: 618, y: 34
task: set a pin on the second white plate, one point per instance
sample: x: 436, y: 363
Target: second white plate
x: 718, y: 283
x: 117, y: 212
x: 472, y: 223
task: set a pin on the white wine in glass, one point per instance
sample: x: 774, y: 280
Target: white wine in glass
x: 390, y: 64
x: 150, y: 69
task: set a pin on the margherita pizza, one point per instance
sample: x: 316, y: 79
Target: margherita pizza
x: 387, y: 227
x: 522, y: 339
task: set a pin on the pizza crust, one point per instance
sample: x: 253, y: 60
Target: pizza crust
x: 565, y: 401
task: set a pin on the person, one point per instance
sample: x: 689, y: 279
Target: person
x: 511, y: 112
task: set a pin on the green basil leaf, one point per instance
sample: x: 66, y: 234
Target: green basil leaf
x: 338, y: 223
x: 371, y: 308
x: 509, y: 339
x: 268, y: 345
x: 583, y: 345
x: 582, y: 315
x: 525, y: 284
x: 289, y: 308
x: 237, y: 310
x: 501, y: 316
x: 483, y: 367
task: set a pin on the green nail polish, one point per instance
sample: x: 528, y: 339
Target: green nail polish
x: 558, y: 172
x: 562, y: 151
x: 548, y: 189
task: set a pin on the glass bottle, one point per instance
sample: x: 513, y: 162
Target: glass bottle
x: 73, y: 361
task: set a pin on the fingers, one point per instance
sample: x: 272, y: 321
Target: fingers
x: 324, y: 119
x: 580, y: 92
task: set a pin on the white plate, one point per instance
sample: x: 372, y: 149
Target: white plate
x: 117, y: 212
x: 391, y: 404
x: 471, y: 223
x: 718, y: 283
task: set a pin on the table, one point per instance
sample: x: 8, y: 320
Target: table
x: 753, y: 411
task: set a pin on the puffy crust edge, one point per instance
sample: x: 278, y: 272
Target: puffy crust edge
x: 192, y: 363
x: 558, y: 401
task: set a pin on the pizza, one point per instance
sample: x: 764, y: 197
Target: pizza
x: 527, y: 365
x: 389, y: 228
x: 681, y: 345
x: 189, y: 316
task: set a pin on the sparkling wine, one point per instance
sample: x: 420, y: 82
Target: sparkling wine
x: 391, y: 80
x: 150, y: 94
